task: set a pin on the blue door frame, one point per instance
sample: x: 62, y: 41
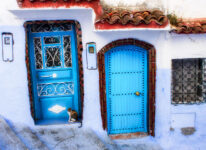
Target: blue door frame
x: 126, y: 69
x: 54, y: 74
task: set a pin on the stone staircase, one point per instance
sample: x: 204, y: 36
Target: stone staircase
x: 22, y: 138
x: 62, y: 137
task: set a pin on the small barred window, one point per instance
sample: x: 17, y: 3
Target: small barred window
x: 188, y: 81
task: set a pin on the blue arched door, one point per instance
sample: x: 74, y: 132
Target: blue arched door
x: 54, y: 71
x: 127, y: 89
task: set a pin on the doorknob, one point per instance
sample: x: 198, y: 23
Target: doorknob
x: 137, y: 93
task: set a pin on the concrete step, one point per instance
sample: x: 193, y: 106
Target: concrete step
x: 8, y: 139
x: 137, y: 144
x: 94, y: 139
x: 60, y: 137
x: 29, y: 137
x: 66, y: 138
x: 111, y: 144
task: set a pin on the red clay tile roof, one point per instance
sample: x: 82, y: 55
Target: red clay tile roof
x: 53, y: 0
x: 106, y: 20
x: 94, y: 4
x: 120, y: 19
x: 190, y: 26
x: 20, y: 2
x: 134, y: 18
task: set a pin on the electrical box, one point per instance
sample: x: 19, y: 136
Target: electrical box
x: 91, y: 56
x: 7, y: 47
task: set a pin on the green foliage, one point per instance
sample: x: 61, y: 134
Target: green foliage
x: 173, y: 19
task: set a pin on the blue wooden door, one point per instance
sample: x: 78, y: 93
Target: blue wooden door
x: 54, y: 71
x: 126, y: 88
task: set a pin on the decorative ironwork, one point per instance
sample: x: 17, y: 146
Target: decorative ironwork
x: 51, y: 27
x: 77, y: 28
x: 188, y: 81
x: 38, y: 53
x: 67, y: 51
x: 52, y: 40
x: 53, y: 58
x: 55, y: 89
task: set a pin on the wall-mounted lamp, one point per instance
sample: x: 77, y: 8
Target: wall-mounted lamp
x: 7, y: 47
x: 91, y: 56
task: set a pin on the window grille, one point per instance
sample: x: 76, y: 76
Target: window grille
x: 188, y: 81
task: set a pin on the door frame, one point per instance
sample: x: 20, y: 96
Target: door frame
x: 79, y: 53
x: 151, y: 83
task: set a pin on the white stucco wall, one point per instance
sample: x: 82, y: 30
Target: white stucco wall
x: 14, y: 102
x: 187, y: 8
x: 14, y: 78
x: 14, y: 98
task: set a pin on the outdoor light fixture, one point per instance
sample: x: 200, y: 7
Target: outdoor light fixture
x: 7, y: 47
x: 91, y: 56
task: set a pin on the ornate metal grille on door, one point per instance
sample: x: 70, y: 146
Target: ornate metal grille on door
x: 67, y: 52
x: 38, y: 53
x: 50, y: 27
x: 54, y: 70
x: 52, y: 53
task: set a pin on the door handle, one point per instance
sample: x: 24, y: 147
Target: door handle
x: 137, y: 93
x: 54, y: 75
x: 46, y: 76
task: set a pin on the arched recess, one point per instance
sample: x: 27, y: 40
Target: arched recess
x: 79, y: 57
x: 151, y: 79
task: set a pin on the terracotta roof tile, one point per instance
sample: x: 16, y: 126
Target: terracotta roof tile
x: 20, y: 2
x: 191, y: 26
x: 52, y: 0
x: 134, y: 18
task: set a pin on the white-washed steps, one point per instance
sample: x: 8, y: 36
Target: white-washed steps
x: 67, y: 138
x: 59, y: 137
x: 30, y: 139
x: 8, y: 139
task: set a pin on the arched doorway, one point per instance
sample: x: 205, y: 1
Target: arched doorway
x: 127, y: 87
